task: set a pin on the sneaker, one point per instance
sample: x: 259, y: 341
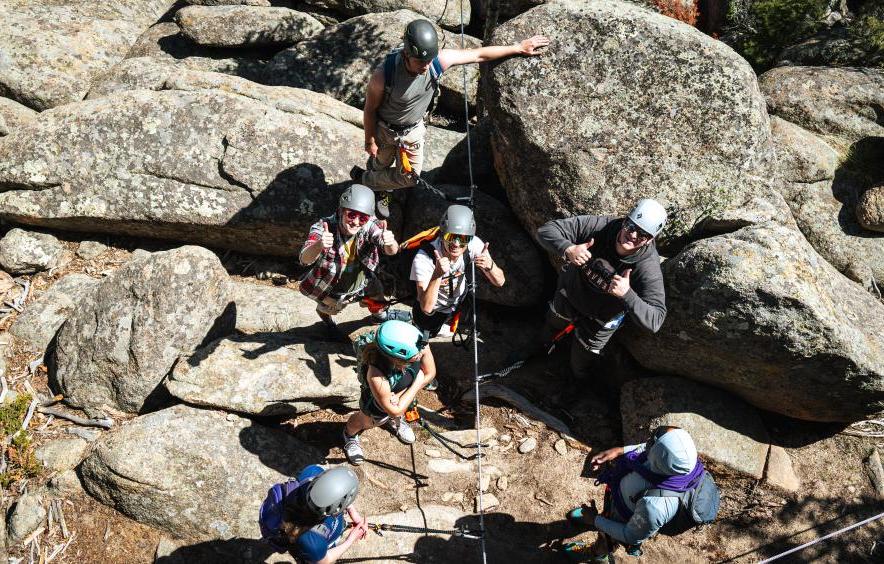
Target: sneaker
x: 401, y: 429
x: 356, y: 173
x: 433, y: 385
x: 445, y: 331
x: 353, y: 450
x: 382, y: 204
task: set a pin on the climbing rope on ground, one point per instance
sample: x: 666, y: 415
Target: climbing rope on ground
x: 456, y: 532
x: 825, y: 537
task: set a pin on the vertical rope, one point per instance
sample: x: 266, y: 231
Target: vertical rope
x: 466, y: 113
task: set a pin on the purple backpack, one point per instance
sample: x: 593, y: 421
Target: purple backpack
x: 272, y: 512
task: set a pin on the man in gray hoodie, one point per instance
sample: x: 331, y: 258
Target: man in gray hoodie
x: 612, y: 271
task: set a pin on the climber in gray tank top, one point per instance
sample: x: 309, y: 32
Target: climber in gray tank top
x: 397, y: 98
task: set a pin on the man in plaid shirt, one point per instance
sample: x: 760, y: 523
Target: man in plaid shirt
x: 343, y: 249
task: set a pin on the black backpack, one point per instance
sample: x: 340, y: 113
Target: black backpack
x: 696, y: 507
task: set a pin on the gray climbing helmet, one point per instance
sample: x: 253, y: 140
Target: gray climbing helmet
x: 649, y: 215
x: 332, y: 491
x: 358, y: 197
x: 421, y: 41
x: 458, y: 220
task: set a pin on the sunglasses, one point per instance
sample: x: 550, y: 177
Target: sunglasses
x: 353, y: 215
x: 630, y: 227
x: 462, y: 240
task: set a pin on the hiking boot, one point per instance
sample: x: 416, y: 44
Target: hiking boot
x: 356, y: 173
x: 382, y: 204
x: 401, y: 429
x: 353, y: 450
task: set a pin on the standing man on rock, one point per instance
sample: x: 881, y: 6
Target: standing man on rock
x: 612, y: 271
x: 398, y: 96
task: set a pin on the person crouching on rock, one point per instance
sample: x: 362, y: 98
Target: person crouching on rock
x: 440, y: 270
x: 393, y: 364
x: 343, y: 249
x: 660, y: 486
x: 611, y: 273
x: 305, y: 516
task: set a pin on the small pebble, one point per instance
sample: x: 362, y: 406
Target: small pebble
x: 485, y: 482
x: 851, y: 489
x: 231, y: 417
x: 403, y: 508
x: 505, y: 438
x: 502, y: 483
x: 446, y: 497
x: 433, y: 453
x: 561, y: 447
x: 527, y: 445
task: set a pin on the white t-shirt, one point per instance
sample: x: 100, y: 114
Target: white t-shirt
x: 422, y: 270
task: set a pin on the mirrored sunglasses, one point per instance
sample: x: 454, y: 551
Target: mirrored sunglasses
x: 353, y: 215
x: 462, y: 240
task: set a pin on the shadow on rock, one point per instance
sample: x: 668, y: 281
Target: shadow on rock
x: 219, y: 551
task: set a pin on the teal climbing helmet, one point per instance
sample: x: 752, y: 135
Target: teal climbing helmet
x: 399, y: 339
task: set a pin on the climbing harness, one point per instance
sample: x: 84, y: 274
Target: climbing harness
x: 456, y: 532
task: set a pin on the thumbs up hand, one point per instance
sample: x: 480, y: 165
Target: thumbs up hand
x: 620, y: 284
x: 579, y: 254
x: 443, y: 265
x: 387, y: 238
x: 484, y: 261
x: 328, y: 238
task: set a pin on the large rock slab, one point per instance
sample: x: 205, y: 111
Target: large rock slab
x: 41, y: 319
x: 843, y: 104
x: 210, y: 167
x: 759, y: 313
x: 646, y: 107
x: 245, y: 26
x: 444, y: 13
x: 26, y: 252
x: 195, y: 473
x: 13, y: 115
x: 270, y: 309
x: 51, y: 50
x: 802, y: 156
x: 165, y: 41
x: 728, y: 433
x: 354, y: 48
x: 524, y: 265
x: 268, y: 374
x: 114, y: 351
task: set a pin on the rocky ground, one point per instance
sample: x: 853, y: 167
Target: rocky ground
x: 527, y: 493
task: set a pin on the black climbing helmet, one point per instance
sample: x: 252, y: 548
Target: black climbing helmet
x: 421, y: 41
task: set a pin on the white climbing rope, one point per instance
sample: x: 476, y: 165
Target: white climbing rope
x: 466, y: 113
x: 821, y: 539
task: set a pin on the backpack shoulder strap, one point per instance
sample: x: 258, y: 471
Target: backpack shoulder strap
x: 436, y: 69
x: 389, y: 69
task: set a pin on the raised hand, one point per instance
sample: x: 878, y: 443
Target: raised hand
x: 605, y: 456
x: 579, y: 254
x: 387, y: 238
x: 328, y: 238
x: 620, y: 284
x: 484, y: 261
x: 443, y: 265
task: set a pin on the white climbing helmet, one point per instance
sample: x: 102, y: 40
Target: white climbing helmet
x: 649, y: 215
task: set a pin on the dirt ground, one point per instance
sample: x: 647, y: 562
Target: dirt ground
x: 755, y: 521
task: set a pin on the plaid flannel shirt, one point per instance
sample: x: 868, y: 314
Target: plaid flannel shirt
x: 319, y: 281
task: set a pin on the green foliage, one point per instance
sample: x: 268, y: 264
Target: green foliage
x: 763, y: 28
x: 21, y: 462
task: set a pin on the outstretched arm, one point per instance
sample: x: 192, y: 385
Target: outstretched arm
x: 451, y: 57
x: 374, y: 95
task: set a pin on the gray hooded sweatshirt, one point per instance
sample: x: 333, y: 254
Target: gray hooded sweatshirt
x: 673, y: 454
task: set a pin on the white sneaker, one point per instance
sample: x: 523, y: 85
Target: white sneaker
x: 353, y: 450
x: 445, y: 331
x: 401, y: 429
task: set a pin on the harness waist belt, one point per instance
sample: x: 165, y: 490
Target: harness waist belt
x: 399, y: 129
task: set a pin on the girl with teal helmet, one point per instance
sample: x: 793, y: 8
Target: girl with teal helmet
x: 395, y: 366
